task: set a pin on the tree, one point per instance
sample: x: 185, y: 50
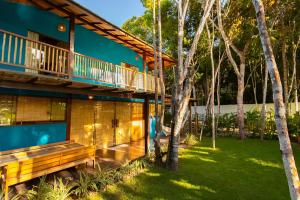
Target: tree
x: 239, y: 69
x: 156, y: 140
x: 184, y: 76
x: 161, y: 71
x: 280, y: 115
x: 211, y: 40
x: 263, y: 107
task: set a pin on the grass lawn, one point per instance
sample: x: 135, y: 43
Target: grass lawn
x: 248, y: 169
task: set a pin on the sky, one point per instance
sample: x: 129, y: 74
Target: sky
x: 114, y: 11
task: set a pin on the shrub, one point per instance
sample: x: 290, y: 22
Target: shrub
x: 85, y: 184
x: 190, y: 139
x: 60, y: 191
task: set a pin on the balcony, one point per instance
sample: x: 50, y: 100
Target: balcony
x: 25, y: 55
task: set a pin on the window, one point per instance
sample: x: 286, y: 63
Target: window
x: 7, y: 110
x: 25, y: 109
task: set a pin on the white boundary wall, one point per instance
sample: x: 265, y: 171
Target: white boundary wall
x: 232, y: 108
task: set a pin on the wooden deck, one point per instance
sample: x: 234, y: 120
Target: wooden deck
x: 115, y: 156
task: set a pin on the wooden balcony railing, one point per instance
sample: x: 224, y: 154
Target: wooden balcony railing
x: 91, y: 68
x: 35, y: 57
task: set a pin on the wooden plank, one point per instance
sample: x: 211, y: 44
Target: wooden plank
x: 33, y: 148
x: 27, y: 177
x: 22, y: 172
x: 22, y: 166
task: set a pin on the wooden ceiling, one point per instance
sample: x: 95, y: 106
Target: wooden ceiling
x: 93, y: 22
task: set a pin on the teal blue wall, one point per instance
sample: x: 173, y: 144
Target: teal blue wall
x: 20, y: 18
x: 94, y: 45
x: 31, y: 135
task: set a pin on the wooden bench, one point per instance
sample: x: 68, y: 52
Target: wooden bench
x: 24, y: 166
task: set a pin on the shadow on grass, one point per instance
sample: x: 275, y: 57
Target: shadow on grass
x: 248, y: 169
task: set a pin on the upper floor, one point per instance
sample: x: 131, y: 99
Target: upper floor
x: 60, y: 39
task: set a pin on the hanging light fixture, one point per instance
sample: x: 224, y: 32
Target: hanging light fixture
x: 61, y: 27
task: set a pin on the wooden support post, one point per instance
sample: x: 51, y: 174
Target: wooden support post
x: 146, y: 118
x: 190, y: 117
x: 71, y: 46
x: 145, y: 71
x: 68, y: 117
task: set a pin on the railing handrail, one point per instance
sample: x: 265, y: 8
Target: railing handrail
x: 31, y: 40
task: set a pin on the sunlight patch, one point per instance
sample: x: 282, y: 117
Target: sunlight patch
x: 264, y: 163
x: 208, y: 160
x: 152, y: 174
x: 208, y: 148
x: 187, y: 185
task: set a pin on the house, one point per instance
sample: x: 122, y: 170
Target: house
x: 67, y: 74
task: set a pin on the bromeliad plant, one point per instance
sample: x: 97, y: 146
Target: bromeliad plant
x: 85, y: 184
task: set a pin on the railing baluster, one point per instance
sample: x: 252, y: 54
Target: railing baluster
x: 64, y: 62
x: 40, y: 55
x: 21, y: 51
x: 52, y: 63
x: 29, y: 54
x: 3, y: 47
x: 9, y: 48
x: 15, y: 50
x: 56, y: 60
x: 48, y: 58
x: 44, y: 57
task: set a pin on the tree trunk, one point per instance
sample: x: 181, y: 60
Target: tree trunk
x: 253, y: 80
x: 161, y: 68
x: 280, y: 117
x: 296, y: 96
x: 294, y: 78
x: 156, y: 140
x: 285, y: 77
x: 240, y: 100
x: 212, y: 88
x: 263, y: 107
x: 183, y: 79
x: 239, y: 70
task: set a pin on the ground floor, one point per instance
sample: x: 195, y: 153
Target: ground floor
x: 37, y: 118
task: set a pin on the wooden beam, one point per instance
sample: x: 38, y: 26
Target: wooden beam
x: 32, y: 80
x: 71, y: 46
x: 54, y: 88
x: 65, y: 84
x: 90, y: 87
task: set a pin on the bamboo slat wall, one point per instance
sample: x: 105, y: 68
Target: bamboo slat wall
x: 82, y: 122
x: 30, y: 109
x: 138, y: 124
x: 105, y: 113
x: 123, y: 128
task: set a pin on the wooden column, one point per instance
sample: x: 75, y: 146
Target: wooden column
x: 190, y: 117
x: 68, y: 117
x: 71, y: 46
x: 145, y: 71
x: 146, y: 118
